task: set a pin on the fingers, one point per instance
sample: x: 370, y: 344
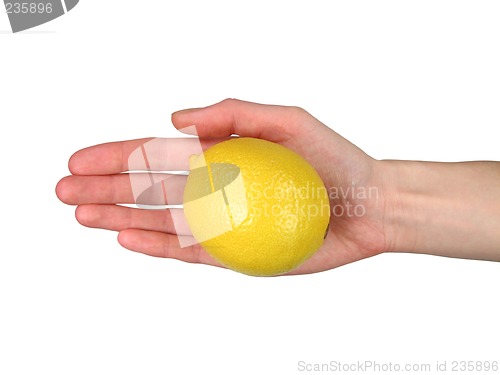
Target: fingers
x: 163, y: 245
x: 107, y: 158
x: 271, y: 122
x: 156, y: 154
x: 214, y: 124
x: 140, y: 188
x: 118, y: 218
x: 150, y: 232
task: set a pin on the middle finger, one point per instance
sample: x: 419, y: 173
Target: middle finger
x: 136, y: 188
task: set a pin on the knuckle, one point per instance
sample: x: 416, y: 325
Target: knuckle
x: 298, y: 111
x: 230, y: 101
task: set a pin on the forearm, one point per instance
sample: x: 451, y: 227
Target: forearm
x: 448, y: 209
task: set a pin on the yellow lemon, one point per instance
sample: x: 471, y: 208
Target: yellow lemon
x: 255, y: 206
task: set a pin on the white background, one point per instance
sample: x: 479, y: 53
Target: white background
x: 403, y: 80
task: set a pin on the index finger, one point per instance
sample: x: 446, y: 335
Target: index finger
x: 149, y: 154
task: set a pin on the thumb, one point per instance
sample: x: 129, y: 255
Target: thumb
x: 231, y: 116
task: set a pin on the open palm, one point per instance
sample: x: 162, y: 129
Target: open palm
x: 98, y: 184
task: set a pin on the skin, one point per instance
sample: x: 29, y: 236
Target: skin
x: 447, y: 209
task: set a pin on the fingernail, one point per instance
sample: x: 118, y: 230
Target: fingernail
x: 185, y: 111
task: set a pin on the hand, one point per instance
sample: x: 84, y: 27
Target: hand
x: 357, y: 225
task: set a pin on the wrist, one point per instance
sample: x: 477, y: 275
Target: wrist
x: 448, y: 209
x: 401, y: 202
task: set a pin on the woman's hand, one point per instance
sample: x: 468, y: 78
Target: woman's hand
x: 372, y: 202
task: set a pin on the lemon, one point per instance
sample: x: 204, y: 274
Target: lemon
x: 255, y: 206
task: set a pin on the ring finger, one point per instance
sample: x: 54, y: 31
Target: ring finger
x: 118, y: 218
